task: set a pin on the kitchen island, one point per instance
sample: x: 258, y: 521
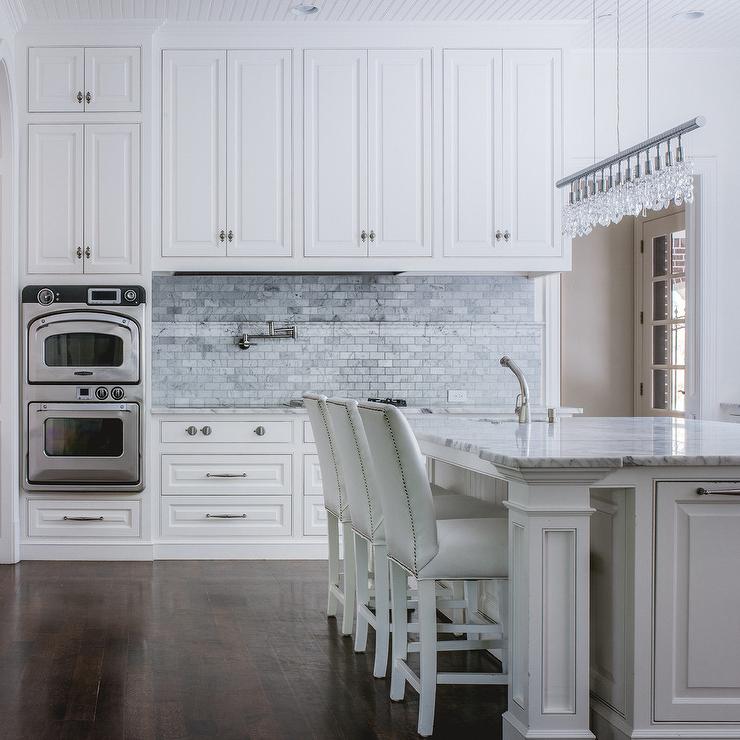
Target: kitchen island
x: 624, y: 554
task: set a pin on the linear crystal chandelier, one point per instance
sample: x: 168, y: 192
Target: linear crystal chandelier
x: 645, y: 177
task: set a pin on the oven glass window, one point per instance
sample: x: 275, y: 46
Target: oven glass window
x: 83, y: 349
x: 70, y: 437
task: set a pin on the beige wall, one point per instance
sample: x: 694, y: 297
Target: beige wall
x: 597, y: 324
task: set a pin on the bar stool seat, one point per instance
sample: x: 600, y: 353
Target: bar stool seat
x: 448, y: 505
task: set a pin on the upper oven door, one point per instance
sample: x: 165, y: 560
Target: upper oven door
x: 83, y: 443
x: 83, y: 346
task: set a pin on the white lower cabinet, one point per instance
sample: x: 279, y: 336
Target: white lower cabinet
x: 697, y: 604
x: 314, y: 516
x: 61, y: 519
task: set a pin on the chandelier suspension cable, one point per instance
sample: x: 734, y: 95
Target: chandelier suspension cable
x: 618, y: 74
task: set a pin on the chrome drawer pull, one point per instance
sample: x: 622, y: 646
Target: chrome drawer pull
x: 260, y: 431
x: 191, y: 430
x: 205, y: 431
x: 84, y: 519
x: 226, y: 516
x: 226, y: 475
x: 720, y: 491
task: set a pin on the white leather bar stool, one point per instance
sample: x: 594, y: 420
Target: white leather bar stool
x: 368, y: 526
x: 430, y: 550
x: 341, y: 590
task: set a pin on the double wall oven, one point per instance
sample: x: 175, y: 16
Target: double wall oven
x: 83, y: 388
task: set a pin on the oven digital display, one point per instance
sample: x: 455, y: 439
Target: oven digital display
x: 102, y: 295
x: 83, y: 349
x: 71, y: 437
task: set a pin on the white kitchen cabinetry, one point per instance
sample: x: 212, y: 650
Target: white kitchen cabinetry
x: 697, y: 603
x: 74, y: 79
x: 502, y: 153
x: 83, y: 198
x: 226, y: 157
x: 368, y: 151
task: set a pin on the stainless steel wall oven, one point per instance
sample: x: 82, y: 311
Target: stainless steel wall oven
x: 83, y: 388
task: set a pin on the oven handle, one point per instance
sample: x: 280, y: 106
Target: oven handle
x: 226, y: 475
x: 89, y: 407
x: 226, y: 516
x: 84, y: 519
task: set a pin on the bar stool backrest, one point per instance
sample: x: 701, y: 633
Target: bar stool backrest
x: 357, y: 467
x: 405, y: 493
x: 332, y: 480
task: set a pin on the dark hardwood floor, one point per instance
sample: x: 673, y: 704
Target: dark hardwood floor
x: 204, y: 649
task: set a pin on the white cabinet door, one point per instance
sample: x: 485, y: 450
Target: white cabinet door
x: 113, y: 79
x: 697, y: 603
x: 335, y: 141
x: 399, y: 153
x: 472, y: 152
x: 532, y: 152
x: 55, y: 198
x: 194, y: 154
x: 112, y: 200
x: 259, y: 154
x: 56, y: 79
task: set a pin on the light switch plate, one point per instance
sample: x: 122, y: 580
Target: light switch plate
x: 456, y: 396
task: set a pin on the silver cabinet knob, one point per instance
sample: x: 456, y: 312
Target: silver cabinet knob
x: 79, y: 253
x: 498, y: 235
x: 260, y: 431
x: 363, y: 235
x: 507, y: 236
x: 372, y: 235
x: 88, y: 252
x: 191, y: 430
x: 205, y: 431
x: 221, y: 235
x: 88, y: 97
x: 80, y: 98
x: 230, y: 235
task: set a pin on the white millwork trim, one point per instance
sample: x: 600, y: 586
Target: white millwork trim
x: 82, y: 551
x: 241, y: 550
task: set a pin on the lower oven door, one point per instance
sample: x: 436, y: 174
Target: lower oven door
x: 84, y: 443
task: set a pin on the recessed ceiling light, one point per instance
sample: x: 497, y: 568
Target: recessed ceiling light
x: 689, y: 15
x: 305, y: 9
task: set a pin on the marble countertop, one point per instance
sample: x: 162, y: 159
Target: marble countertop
x: 587, y: 442
x: 499, y: 412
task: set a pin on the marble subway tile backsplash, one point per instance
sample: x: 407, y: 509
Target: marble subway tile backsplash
x: 404, y: 336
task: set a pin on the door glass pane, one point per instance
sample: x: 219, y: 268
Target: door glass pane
x: 660, y: 255
x: 72, y: 437
x: 678, y: 344
x: 678, y: 252
x: 678, y: 390
x: 660, y: 389
x: 660, y: 300
x: 660, y: 345
x: 678, y: 298
x: 83, y: 349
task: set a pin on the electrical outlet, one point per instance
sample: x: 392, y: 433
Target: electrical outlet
x: 456, y: 396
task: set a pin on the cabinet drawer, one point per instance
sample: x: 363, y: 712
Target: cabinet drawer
x: 79, y: 519
x: 314, y: 516
x: 256, y: 516
x: 226, y: 432
x: 226, y: 474
x: 312, y: 476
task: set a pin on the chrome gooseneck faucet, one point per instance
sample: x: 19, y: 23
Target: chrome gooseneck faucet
x: 522, y: 400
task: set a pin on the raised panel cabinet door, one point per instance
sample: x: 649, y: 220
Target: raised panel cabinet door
x: 697, y: 603
x: 335, y: 142
x: 56, y: 79
x: 194, y: 154
x: 55, y: 198
x: 400, y: 153
x: 112, y: 79
x: 472, y: 152
x: 112, y: 198
x: 259, y: 154
x: 532, y: 152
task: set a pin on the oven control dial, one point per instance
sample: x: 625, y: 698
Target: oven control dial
x: 116, y: 393
x: 101, y: 393
x: 130, y: 295
x: 45, y: 296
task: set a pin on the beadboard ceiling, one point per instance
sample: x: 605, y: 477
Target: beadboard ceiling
x: 719, y: 28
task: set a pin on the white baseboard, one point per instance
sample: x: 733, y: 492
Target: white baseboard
x: 241, y: 551
x: 85, y: 551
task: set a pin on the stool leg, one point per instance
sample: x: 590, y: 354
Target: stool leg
x: 428, y: 656
x: 332, y: 524
x: 362, y: 574
x: 348, y: 616
x: 399, y: 598
x: 472, y: 602
x: 382, y: 610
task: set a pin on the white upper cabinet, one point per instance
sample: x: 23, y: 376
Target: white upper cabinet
x: 55, y: 184
x: 112, y: 200
x: 194, y: 154
x: 79, y: 79
x: 400, y: 153
x: 335, y: 143
x: 472, y: 152
x: 56, y: 79
x: 112, y: 79
x: 503, y: 151
x: 532, y: 152
x: 259, y: 154
x: 83, y: 198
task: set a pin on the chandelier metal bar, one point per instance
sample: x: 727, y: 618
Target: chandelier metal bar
x: 671, y: 133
